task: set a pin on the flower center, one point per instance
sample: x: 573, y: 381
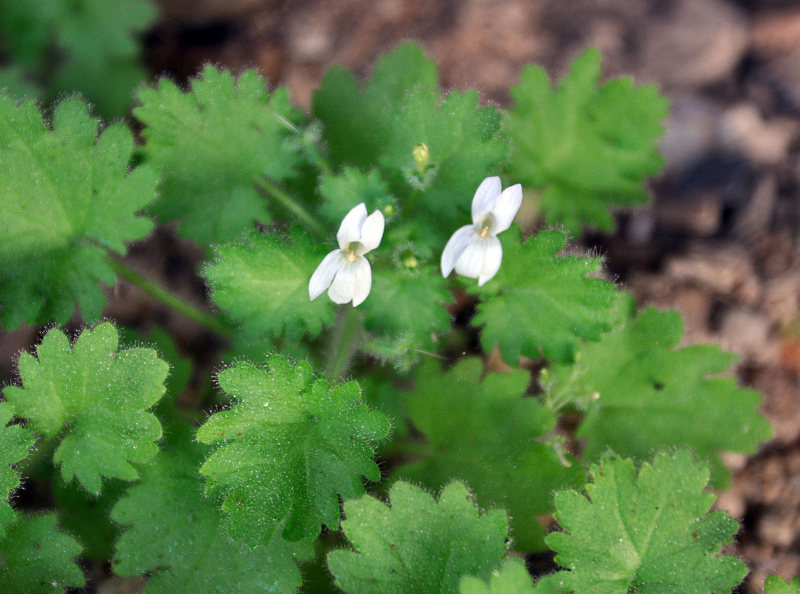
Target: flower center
x: 484, y: 231
x: 351, y: 254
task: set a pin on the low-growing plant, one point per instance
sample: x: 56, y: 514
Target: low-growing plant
x: 412, y: 384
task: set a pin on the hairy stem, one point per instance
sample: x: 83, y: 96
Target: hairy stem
x: 344, y: 339
x: 168, y: 298
x: 292, y: 205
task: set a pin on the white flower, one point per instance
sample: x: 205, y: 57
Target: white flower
x: 474, y: 250
x: 346, y: 270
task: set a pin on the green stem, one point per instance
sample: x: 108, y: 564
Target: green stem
x: 167, y: 298
x: 344, y: 339
x: 292, y: 205
x: 311, y: 149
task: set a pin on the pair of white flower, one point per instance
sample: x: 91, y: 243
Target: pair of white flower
x: 473, y: 251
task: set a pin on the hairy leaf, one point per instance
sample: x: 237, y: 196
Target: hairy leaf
x: 485, y: 432
x: 95, y: 398
x: 288, y: 449
x: 35, y: 557
x: 644, y: 532
x: 639, y: 392
x: 587, y: 148
x: 541, y: 304
x: 177, y: 533
x: 15, y: 442
x: 213, y: 144
x: 511, y: 578
x: 263, y: 284
x: 777, y: 585
x: 67, y: 196
x: 418, y: 545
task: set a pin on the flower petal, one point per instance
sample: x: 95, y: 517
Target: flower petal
x: 506, y: 208
x: 455, y: 247
x: 492, y: 257
x: 363, y: 280
x: 470, y: 263
x: 323, y: 275
x: 343, y: 284
x: 371, y: 233
x: 485, y: 197
x: 350, y: 229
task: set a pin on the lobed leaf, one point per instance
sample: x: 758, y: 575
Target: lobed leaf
x: 213, y: 144
x: 178, y: 534
x: 418, y: 544
x: 67, y: 197
x: 486, y: 433
x: 587, y: 148
x: 35, y: 557
x: 15, y: 443
x: 541, y: 304
x: 646, y: 531
x: 288, y: 449
x: 95, y: 399
x: 263, y: 285
x: 777, y: 585
x: 640, y: 392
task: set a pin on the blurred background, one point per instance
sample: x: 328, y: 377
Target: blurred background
x: 719, y: 241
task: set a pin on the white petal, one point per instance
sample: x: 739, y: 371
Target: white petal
x: 454, y: 248
x: 323, y: 275
x: 471, y: 261
x: 363, y: 284
x: 343, y: 284
x: 506, y: 208
x: 371, y: 233
x: 350, y: 229
x: 485, y: 197
x: 492, y: 256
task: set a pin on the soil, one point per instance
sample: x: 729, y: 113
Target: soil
x: 719, y: 242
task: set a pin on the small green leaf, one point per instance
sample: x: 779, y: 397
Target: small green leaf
x: 350, y: 188
x: 178, y: 534
x: 417, y: 545
x: 588, y: 148
x: 644, y: 532
x: 640, y: 392
x: 15, y: 443
x: 541, y: 304
x: 511, y: 578
x: 777, y: 585
x: 98, y: 396
x: 67, y: 197
x: 35, y: 557
x: 213, y: 144
x: 486, y: 432
x: 288, y: 449
x: 263, y: 285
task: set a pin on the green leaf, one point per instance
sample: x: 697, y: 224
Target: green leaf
x: 213, y: 144
x: 101, y: 44
x: 541, y: 304
x: 15, y: 443
x: 263, y: 285
x: 35, y: 557
x: 408, y: 302
x: 350, y: 188
x: 399, y: 108
x: 179, y: 535
x: 640, y: 392
x: 511, y: 578
x: 588, y: 149
x: 94, y: 398
x: 418, y: 544
x: 777, y: 585
x: 288, y: 449
x: 644, y: 532
x: 486, y: 432
x: 66, y: 197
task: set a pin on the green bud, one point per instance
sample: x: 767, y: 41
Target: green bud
x: 422, y: 157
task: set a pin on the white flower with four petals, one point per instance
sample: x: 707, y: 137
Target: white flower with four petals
x: 474, y: 250
x: 346, y: 272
